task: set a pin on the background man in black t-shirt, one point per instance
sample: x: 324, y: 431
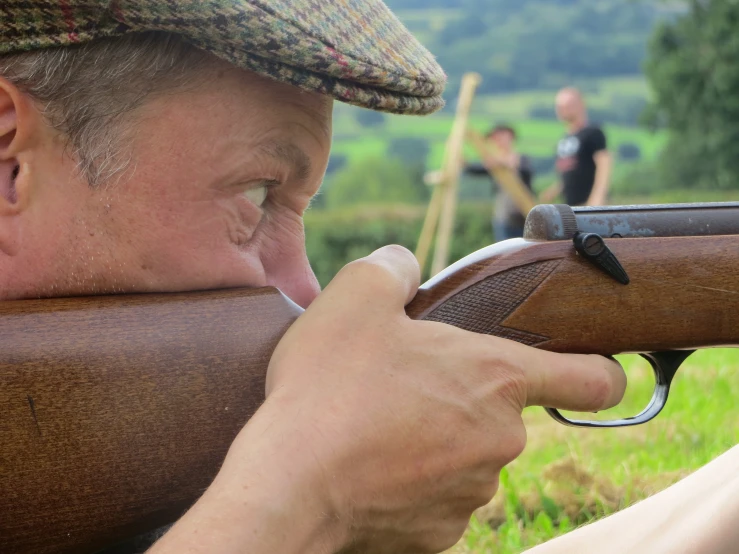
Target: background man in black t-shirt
x: 583, y: 161
x: 508, y: 221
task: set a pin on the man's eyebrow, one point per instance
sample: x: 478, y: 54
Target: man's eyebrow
x: 292, y: 154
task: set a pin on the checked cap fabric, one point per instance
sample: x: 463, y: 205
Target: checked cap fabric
x: 354, y: 50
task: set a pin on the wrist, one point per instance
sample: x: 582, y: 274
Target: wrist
x: 269, y: 496
x: 273, y: 463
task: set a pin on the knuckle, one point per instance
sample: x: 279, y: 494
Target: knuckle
x: 373, y: 277
x: 489, y: 490
x: 446, y: 534
x: 513, y: 442
x: 506, y: 443
x: 511, y: 384
x: 399, y: 250
x: 598, y: 387
x: 503, y: 441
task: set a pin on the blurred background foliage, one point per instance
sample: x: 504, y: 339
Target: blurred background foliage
x: 658, y: 75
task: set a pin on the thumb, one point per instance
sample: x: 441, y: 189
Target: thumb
x: 389, y: 276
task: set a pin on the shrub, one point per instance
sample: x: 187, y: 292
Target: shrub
x: 543, y: 165
x: 370, y: 118
x: 336, y: 237
x: 376, y: 181
x: 336, y: 162
x: 628, y: 151
x: 544, y: 112
x: 411, y: 150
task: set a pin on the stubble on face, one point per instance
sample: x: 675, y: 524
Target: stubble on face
x: 189, y: 213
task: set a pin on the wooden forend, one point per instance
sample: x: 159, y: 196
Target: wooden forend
x: 684, y: 293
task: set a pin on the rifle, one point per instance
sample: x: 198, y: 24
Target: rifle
x: 118, y: 411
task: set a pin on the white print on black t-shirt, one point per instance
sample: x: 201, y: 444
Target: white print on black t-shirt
x: 567, y: 150
x: 568, y: 146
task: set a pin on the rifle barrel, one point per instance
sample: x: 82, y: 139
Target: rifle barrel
x: 560, y: 222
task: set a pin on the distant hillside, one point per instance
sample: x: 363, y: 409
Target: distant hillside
x: 530, y: 44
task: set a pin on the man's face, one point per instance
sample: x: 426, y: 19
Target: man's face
x: 503, y: 139
x: 218, y: 182
x: 568, y: 106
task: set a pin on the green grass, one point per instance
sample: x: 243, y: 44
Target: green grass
x: 537, y: 137
x: 568, y: 477
x: 599, y: 94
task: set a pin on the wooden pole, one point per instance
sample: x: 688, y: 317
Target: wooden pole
x: 429, y: 226
x: 437, y: 180
x: 452, y: 167
x: 508, y: 179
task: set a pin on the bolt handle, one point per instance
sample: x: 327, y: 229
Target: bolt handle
x: 593, y: 248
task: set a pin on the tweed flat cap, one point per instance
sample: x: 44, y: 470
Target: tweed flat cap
x: 354, y: 50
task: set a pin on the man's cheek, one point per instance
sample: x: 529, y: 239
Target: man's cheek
x: 235, y: 220
x: 213, y: 225
x: 282, y: 236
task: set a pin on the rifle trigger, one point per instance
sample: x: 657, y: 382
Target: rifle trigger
x: 665, y: 365
x: 593, y: 248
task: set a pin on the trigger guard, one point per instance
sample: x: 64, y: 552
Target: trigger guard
x: 665, y: 366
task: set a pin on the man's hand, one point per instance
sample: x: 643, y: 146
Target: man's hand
x: 410, y: 422
x: 550, y: 194
x: 603, y: 168
x: 382, y: 434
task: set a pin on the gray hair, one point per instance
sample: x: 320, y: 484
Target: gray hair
x: 87, y: 92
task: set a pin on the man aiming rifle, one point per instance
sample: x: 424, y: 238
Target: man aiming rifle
x: 173, y: 146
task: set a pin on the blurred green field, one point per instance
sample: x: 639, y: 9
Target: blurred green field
x: 568, y: 477
x: 600, y: 94
x: 537, y: 137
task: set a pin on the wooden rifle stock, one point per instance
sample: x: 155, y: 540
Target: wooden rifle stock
x: 118, y: 411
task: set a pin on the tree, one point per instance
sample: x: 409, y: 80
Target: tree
x: 375, y: 181
x: 336, y: 162
x: 628, y: 151
x: 370, y: 118
x: 544, y: 44
x: 411, y: 150
x: 693, y: 71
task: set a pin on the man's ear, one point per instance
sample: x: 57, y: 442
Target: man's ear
x: 16, y: 115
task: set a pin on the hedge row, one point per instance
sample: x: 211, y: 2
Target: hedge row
x: 335, y: 237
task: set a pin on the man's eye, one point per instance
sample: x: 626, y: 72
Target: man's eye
x: 257, y: 195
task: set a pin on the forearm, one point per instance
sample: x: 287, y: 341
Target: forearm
x: 260, y: 502
x: 551, y: 192
x: 476, y: 169
x: 696, y: 516
x: 601, y: 185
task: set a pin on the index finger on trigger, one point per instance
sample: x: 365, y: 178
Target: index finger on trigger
x: 576, y: 382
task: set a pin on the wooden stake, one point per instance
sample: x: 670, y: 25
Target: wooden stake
x: 429, y: 226
x: 452, y: 167
x: 508, y: 179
